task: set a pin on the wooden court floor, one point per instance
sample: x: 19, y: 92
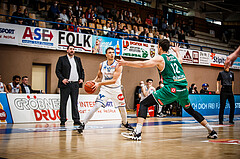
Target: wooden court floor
x: 161, y: 138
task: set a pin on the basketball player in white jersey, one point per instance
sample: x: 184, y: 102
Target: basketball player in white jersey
x: 14, y: 86
x: 110, y: 73
x: 3, y: 87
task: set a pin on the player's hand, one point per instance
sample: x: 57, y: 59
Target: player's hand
x: 95, y: 86
x: 230, y: 59
x: 121, y: 61
x: 80, y: 81
x: 65, y: 81
x: 176, y: 47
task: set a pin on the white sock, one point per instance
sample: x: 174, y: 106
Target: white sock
x: 123, y: 113
x: 91, y: 112
x: 208, y: 127
x: 138, y: 128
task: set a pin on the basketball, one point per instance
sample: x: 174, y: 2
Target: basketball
x: 88, y: 87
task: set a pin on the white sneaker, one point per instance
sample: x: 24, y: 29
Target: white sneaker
x: 132, y: 135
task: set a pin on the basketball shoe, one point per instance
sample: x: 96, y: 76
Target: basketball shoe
x: 128, y: 126
x: 212, y: 135
x: 132, y: 135
x: 81, y: 127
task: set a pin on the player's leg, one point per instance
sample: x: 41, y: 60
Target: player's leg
x: 232, y: 108
x: 142, y: 115
x: 223, y: 98
x: 119, y: 102
x: 185, y: 103
x: 101, y: 100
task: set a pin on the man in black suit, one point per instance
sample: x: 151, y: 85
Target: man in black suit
x: 27, y: 88
x: 70, y: 73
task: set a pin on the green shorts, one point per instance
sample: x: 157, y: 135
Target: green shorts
x: 171, y: 93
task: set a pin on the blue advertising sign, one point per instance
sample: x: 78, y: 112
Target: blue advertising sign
x: 210, y: 104
x: 5, y: 114
x: 101, y: 43
x: 236, y: 63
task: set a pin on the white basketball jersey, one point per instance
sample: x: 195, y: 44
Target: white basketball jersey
x: 107, y: 72
x: 15, y: 89
x: 1, y: 87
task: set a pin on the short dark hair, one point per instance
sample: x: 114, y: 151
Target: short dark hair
x: 15, y: 77
x: 24, y: 77
x: 149, y: 80
x: 192, y: 85
x: 164, y: 43
x: 70, y: 45
x: 109, y: 48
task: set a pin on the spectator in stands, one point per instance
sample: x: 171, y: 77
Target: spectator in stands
x: 204, y: 89
x: 130, y: 13
x: 148, y: 22
x: 167, y: 37
x: 73, y: 22
x: 26, y: 21
x: 107, y: 15
x: 147, y: 89
x: 14, y: 86
x: 100, y: 11
x: 125, y: 30
x: 18, y: 13
x: 27, y: 88
x: 89, y: 15
x: 193, y: 89
x: 95, y: 16
x: 107, y: 28
x: 127, y: 18
x: 53, y: 12
x: 3, y: 87
x: 59, y: 26
x: 172, y: 29
x: 64, y: 16
x: 178, y: 28
x: 138, y: 20
x: 77, y: 10
x: 155, y: 20
x: 144, y: 36
x: 118, y: 30
x: 111, y: 34
x: 184, y: 26
x: 79, y: 25
x: 164, y: 26
x: 113, y: 11
x: 122, y: 16
x: 116, y: 17
x: 135, y: 32
x: 70, y: 16
x: 84, y: 20
x: 181, y: 38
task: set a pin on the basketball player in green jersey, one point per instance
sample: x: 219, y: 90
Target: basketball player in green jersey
x: 175, y: 87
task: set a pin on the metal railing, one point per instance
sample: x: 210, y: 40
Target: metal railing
x: 155, y: 40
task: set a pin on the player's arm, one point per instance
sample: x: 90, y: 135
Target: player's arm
x: 231, y: 58
x: 145, y: 93
x: 157, y: 60
x: 9, y: 88
x: 5, y: 88
x: 176, y: 50
x: 218, y: 85
x: 99, y: 74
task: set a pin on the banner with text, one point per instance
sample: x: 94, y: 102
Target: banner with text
x: 101, y: 43
x: 45, y: 108
x: 82, y: 42
x: 9, y: 33
x: 210, y: 104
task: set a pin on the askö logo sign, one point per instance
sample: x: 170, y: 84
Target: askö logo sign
x: 43, y: 108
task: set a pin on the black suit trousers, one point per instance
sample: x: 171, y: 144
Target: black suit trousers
x: 223, y: 98
x: 71, y: 89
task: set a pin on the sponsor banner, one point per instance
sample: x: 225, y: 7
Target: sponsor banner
x: 139, y: 49
x: 5, y: 114
x: 204, y: 58
x: 45, y: 108
x: 210, y: 104
x: 82, y: 42
x: 217, y: 60
x: 9, y: 33
x: 100, y: 44
x: 37, y: 37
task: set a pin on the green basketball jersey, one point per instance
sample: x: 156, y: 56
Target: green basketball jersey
x: 173, y: 71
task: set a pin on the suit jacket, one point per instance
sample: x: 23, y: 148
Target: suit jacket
x: 63, y: 69
x: 30, y: 88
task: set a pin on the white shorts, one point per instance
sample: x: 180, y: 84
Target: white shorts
x: 111, y: 97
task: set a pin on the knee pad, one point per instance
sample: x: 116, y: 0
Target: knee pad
x: 194, y: 114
